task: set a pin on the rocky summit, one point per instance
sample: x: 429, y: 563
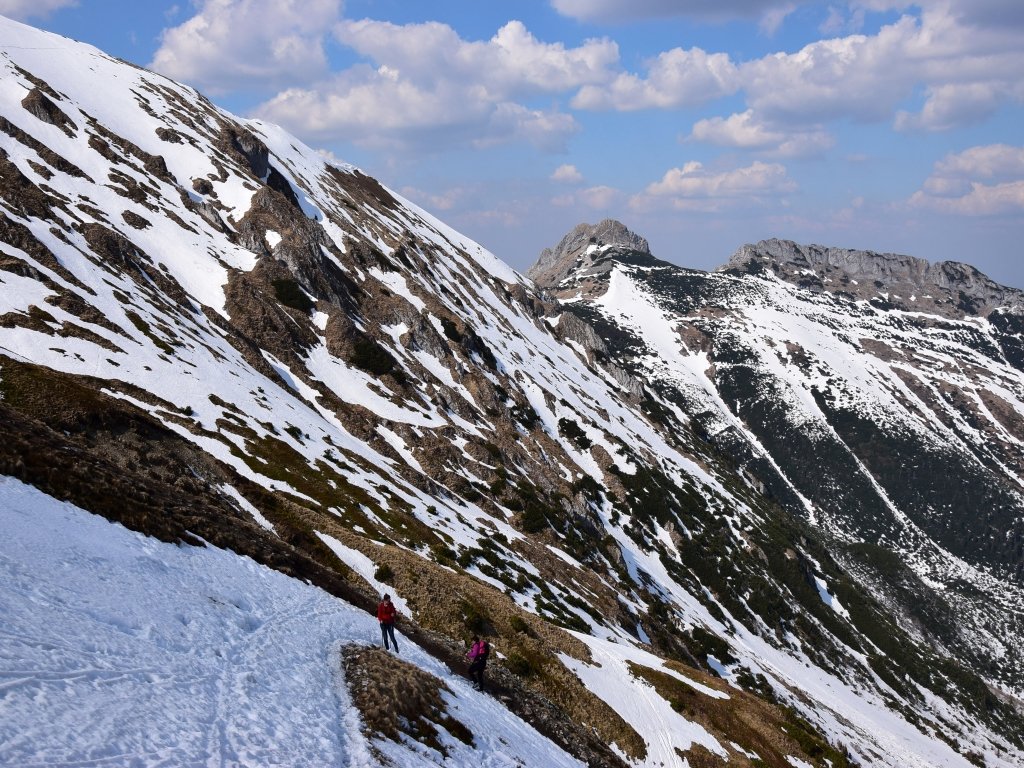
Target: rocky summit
x: 702, y: 518
x: 580, y: 250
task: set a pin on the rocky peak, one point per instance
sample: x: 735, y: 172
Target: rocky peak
x: 946, y: 287
x: 581, y: 247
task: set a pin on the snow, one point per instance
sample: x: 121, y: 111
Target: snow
x: 662, y: 728
x: 398, y: 285
x: 117, y: 649
x: 395, y: 441
x: 203, y: 364
x: 244, y: 504
x: 355, y: 386
x: 829, y: 599
x: 365, y: 567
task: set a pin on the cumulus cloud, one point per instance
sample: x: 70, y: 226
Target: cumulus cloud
x: 981, y: 200
x: 24, y: 9
x: 855, y: 76
x: 635, y: 10
x: 378, y: 109
x: 952, y: 105
x: 676, y: 78
x: 513, y: 62
x: 694, y: 187
x: 980, y: 181
x: 568, y: 174
x: 945, y: 49
x: 744, y: 131
x: 248, y: 43
x: 995, y: 161
x: 966, y: 72
x: 427, y: 87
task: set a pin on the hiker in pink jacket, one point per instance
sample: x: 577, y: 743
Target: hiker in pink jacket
x: 478, y: 653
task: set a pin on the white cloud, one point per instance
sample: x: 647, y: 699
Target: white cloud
x: 980, y: 181
x: 379, y: 110
x: 512, y: 63
x: 436, y: 201
x: 635, y: 10
x: 694, y: 187
x: 431, y: 89
x: 952, y: 105
x: 744, y: 131
x: 510, y: 122
x: 981, y: 200
x: 949, y: 50
x: 599, y: 198
x: 829, y: 79
x: 773, y: 18
x: 567, y: 174
x: 995, y: 161
x: 24, y: 9
x: 675, y: 78
x: 248, y: 43
x: 966, y: 72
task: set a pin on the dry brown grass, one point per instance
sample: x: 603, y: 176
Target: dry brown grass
x: 439, y: 598
x: 395, y: 698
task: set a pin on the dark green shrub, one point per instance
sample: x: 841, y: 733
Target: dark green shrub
x: 518, y: 665
x: 372, y: 357
x: 451, y: 330
x: 518, y: 625
x: 572, y: 431
x: 289, y: 293
x: 474, y: 618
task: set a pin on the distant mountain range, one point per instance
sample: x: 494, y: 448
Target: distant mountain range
x: 770, y: 515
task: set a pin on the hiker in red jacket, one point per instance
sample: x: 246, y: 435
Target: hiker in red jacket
x: 386, y: 616
x: 478, y: 653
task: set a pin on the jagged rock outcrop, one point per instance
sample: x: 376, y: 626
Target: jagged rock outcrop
x: 575, y: 252
x: 947, y: 288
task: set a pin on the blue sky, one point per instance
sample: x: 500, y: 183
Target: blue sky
x: 701, y: 124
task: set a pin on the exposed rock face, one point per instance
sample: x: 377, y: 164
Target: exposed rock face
x: 577, y: 250
x: 858, y: 388
x: 214, y: 335
x: 948, y: 288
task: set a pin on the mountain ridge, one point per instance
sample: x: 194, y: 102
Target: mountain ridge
x: 960, y: 287
x: 215, y: 337
x: 810, y: 386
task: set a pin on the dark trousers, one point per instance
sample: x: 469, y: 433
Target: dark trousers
x: 476, y: 672
x: 387, y: 630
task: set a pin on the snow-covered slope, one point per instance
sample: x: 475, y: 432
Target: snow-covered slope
x: 122, y: 650
x: 890, y: 420
x: 211, y: 335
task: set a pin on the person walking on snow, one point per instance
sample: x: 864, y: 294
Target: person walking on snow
x: 478, y: 653
x: 386, y: 616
